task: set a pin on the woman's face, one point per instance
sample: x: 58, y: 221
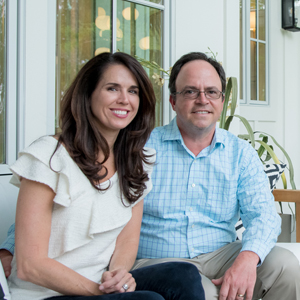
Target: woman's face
x: 115, y: 101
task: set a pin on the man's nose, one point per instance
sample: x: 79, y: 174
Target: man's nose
x: 202, y: 98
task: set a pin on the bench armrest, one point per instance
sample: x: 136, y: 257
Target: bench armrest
x: 282, y: 195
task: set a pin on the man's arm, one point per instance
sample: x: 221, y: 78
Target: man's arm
x: 262, y: 223
x: 7, y: 249
x: 257, y: 208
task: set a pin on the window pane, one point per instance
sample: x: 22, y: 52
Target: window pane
x: 287, y: 13
x: 75, y: 42
x: 103, y: 26
x: 253, y: 63
x: 262, y: 20
x: 140, y: 34
x: 241, y: 50
x: 253, y: 17
x: 262, y: 72
x: 297, y: 13
x: 2, y: 80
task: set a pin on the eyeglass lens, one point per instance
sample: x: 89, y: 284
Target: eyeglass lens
x: 195, y: 93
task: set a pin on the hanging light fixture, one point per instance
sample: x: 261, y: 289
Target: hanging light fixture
x: 102, y: 21
x: 144, y: 43
x: 126, y: 13
x: 291, y: 15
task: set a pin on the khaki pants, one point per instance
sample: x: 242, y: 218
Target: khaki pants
x: 278, y: 277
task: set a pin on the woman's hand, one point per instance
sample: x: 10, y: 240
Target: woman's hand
x: 113, y: 282
x: 124, y: 256
x: 6, y: 258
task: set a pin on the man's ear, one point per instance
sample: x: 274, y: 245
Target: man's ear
x: 172, y: 101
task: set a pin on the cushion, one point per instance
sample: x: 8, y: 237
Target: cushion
x: 273, y: 172
x: 4, y: 292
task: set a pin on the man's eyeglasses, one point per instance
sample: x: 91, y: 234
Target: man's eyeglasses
x: 192, y: 94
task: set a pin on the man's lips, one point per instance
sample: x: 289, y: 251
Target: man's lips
x: 202, y: 112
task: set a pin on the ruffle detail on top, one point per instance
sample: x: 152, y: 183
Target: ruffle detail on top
x: 79, y: 211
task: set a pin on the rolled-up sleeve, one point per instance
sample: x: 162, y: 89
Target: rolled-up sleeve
x: 257, y: 207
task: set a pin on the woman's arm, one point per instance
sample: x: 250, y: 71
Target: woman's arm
x: 124, y: 255
x: 33, y: 227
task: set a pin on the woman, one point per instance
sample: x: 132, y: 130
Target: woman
x: 80, y: 203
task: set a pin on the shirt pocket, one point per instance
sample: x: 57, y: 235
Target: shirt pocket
x: 222, y: 204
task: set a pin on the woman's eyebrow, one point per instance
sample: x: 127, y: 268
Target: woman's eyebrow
x: 118, y: 85
x: 112, y: 83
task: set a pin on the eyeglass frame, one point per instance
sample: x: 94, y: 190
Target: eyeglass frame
x: 198, y: 94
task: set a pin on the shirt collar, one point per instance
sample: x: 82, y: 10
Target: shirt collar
x: 172, y: 133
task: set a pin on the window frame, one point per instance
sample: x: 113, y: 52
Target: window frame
x: 11, y: 86
x: 246, y: 50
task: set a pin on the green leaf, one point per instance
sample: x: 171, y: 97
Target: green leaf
x: 225, y: 104
x: 261, y: 149
x: 231, y: 89
x: 244, y: 136
x: 234, y: 95
x: 269, y: 150
x: 247, y: 126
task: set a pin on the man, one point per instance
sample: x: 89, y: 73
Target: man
x: 203, y: 180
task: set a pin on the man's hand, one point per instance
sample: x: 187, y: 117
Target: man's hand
x: 240, y: 278
x: 6, y: 258
x: 113, y: 282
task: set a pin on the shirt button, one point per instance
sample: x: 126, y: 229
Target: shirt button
x: 193, y: 249
x: 193, y: 225
x: 193, y: 185
x: 191, y: 209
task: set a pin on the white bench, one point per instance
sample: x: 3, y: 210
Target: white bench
x: 7, y: 215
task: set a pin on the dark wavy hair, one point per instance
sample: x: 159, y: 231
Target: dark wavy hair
x: 190, y: 57
x: 82, y: 139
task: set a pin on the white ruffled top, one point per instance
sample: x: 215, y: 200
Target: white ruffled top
x: 85, y: 222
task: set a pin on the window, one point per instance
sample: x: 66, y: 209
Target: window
x: 87, y: 28
x: 254, y: 51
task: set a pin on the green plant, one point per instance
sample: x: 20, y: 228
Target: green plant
x: 152, y: 65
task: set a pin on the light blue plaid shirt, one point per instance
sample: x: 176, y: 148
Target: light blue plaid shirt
x: 196, y: 201
x: 9, y: 243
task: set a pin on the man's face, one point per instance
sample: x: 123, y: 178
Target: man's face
x: 201, y: 113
